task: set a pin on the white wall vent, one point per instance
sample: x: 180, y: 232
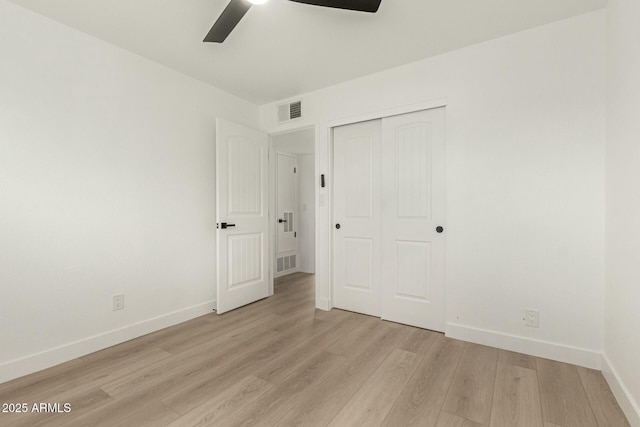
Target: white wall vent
x: 286, y: 263
x: 290, y: 111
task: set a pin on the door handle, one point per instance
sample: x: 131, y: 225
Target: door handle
x: 282, y: 220
x: 439, y: 229
x: 337, y: 226
x: 224, y: 225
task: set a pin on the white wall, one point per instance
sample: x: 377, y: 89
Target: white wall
x: 307, y: 213
x: 622, y: 314
x: 525, y: 186
x: 298, y: 142
x: 106, y: 186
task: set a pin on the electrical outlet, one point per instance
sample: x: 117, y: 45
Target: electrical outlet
x: 532, y: 318
x: 118, y: 302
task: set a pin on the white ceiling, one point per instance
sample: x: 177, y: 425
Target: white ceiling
x: 283, y: 48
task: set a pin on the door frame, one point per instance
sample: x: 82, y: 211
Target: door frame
x: 363, y: 117
x: 273, y: 194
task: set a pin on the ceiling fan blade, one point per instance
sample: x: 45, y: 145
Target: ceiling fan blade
x: 359, y: 5
x: 231, y: 15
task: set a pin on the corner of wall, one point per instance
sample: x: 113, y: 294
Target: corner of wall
x: 323, y: 304
x: 629, y: 406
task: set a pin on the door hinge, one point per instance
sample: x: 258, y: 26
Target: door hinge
x: 294, y: 170
x: 295, y: 234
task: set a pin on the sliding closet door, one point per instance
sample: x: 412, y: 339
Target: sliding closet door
x: 357, y: 223
x: 413, y: 193
x: 389, y: 209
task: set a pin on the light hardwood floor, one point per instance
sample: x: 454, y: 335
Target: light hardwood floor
x: 280, y: 362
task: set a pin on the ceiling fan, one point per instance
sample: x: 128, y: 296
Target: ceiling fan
x: 236, y: 9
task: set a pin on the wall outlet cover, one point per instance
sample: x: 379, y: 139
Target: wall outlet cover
x: 118, y: 302
x: 532, y: 318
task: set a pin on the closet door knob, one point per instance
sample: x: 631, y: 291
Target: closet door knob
x: 338, y: 226
x: 439, y: 229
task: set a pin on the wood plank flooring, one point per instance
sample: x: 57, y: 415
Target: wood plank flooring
x: 280, y: 362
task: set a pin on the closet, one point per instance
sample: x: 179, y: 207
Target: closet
x: 388, y: 217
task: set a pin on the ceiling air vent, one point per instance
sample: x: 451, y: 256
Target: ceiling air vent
x: 291, y: 111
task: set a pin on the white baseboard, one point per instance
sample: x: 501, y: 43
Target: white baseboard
x: 629, y: 406
x: 285, y: 273
x: 323, y: 304
x: 548, y: 350
x: 55, y: 356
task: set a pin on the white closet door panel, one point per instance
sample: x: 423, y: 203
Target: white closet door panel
x: 357, y: 243
x: 413, y: 156
x: 414, y: 266
x: 359, y: 180
x: 358, y: 264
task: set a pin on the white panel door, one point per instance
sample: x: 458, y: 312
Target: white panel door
x: 413, y: 170
x: 357, y: 223
x: 286, y: 202
x: 242, y: 215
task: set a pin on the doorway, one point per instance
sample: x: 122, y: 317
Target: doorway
x: 292, y: 202
x: 388, y: 213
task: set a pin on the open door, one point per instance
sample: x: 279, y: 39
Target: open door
x: 242, y: 215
